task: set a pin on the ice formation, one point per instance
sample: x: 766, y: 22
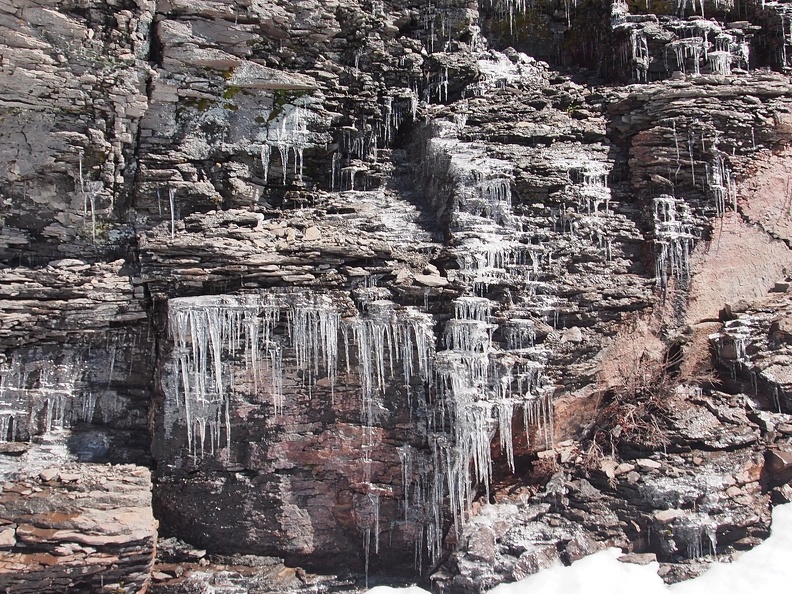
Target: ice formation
x: 497, y: 71
x: 588, y: 183
x: 784, y: 12
x: 482, y: 381
x: 674, y: 239
x: 288, y: 133
x: 721, y: 183
x: 693, y: 45
x: 639, y: 49
x: 41, y: 393
x: 221, y: 342
x: 88, y: 192
x: 383, y: 339
x: 473, y: 382
x: 211, y: 334
x: 171, y: 202
x: 688, y: 51
x: 696, y: 534
x: 735, y: 336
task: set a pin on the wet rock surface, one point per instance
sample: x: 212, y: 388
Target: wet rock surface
x: 360, y: 278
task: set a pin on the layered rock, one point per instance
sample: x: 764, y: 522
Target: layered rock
x: 75, y: 527
x: 76, y: 354
x: 331, y: 253
x: 73, y: 92
x: 707, y: 492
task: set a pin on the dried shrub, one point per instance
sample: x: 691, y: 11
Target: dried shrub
x: 634, y: 348
x: 635, y: 413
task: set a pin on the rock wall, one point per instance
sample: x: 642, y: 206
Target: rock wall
x: 355, y: 278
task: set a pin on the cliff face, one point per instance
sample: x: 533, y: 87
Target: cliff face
x: 355, y: 278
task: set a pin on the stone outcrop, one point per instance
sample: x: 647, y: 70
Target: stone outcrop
x: 75, y: 527
x: 355, y: 278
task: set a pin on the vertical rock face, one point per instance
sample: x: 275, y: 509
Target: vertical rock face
x: 357, y: 278
x: 74, y: 89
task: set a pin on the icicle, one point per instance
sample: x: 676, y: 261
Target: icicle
x: 314, y: 330
x: 406, y: 460
x: 375, y: 510
x: 720, y: 62
x: 366, y: 553
x: 92, y: 199
x: 82, y: 189
x: 639, y: 47
x: 505, y: 411
x: 265, y: 161
x: 210, y: 332
x: 290, y: 135
x: 171, y: 197
x: 720, y: 182
x: 473, y: 308
x: 41, y: 394
x: 335, y: 172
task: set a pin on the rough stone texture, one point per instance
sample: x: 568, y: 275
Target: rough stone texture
x: 73, y: 85
x: 739, y: 262
x: 447, y: 299
x: 75, y: 527
x: 765, y: 196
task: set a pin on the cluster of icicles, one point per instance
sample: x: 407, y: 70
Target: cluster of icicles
x: 289, y: 134
x: 227, y: 343
x: 37, y: 396
x: 675, y: 225
x: 698, y: 43
x: 215, y: 336
x: 45, y: 391
x: 674, y: 239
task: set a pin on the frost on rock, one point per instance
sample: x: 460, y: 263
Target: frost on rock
x: 695, y: 512
x: 497, y: 71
